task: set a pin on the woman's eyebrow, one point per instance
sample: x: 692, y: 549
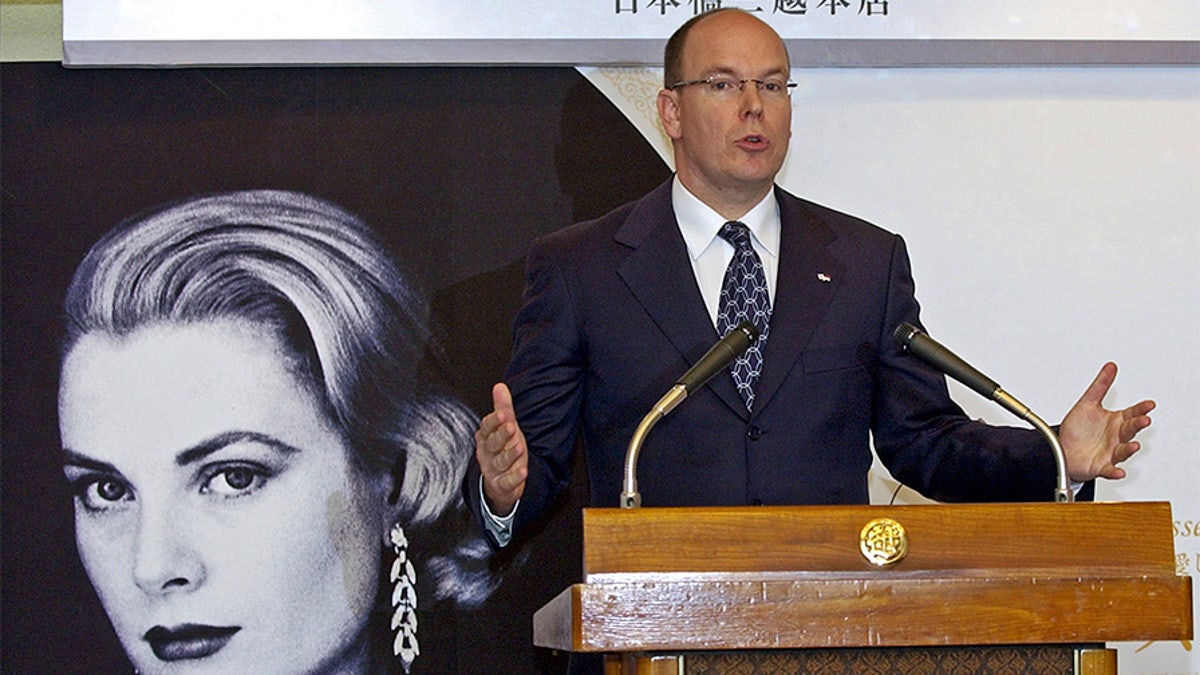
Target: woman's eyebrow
x: 209, y: 446
x: 193, y: 454
x: 72, y: 458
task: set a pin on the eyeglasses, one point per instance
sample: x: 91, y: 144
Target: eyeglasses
x: 727, y: 86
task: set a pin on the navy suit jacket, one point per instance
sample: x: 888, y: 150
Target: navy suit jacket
x: 612, y: 317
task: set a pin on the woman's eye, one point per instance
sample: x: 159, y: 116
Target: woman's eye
x: 111, y: 490
x: 100, y: 493
x: 239, y: 479
x: 234, y: 481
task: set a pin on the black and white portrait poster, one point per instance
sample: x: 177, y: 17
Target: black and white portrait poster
x: 452, y: 172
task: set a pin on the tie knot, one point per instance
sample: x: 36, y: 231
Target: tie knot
x: 735, y: 233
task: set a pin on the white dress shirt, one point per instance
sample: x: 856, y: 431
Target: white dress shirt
x: 710, y: 254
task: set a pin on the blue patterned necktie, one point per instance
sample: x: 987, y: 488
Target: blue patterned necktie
x: 744, y: 297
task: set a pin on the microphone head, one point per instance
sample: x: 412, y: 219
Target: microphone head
x: 904, y: 333
x: 749, y: 329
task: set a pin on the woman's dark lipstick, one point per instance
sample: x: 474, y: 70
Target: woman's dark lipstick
x: 188, y: 641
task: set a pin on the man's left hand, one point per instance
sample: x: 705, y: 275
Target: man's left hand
x: 1095, y: 440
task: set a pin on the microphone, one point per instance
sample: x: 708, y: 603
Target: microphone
x: 914, y: 340
x: 717, y: 358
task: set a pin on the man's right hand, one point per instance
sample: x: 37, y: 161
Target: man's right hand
x: 502, y: 454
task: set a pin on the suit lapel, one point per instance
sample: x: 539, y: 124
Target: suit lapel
x: 808, y: 277
x: 660, y: 277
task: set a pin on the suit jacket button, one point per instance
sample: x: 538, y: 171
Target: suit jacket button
x: 754, y: 433
x: 756, y: 502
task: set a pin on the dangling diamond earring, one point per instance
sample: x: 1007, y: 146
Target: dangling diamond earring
x: 404, y: 600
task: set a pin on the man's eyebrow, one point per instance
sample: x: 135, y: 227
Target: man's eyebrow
x: 730, y: 70
x: 209, y: 446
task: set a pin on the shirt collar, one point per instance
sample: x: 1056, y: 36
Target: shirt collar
x: 699, y: 224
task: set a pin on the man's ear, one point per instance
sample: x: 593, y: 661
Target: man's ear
x: 668, y: 112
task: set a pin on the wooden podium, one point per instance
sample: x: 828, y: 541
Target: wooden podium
x: 978, y: 588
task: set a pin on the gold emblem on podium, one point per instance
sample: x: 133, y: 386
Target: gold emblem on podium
x: 883, y: 542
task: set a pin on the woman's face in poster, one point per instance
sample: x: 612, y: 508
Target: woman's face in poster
x: 217, y: 512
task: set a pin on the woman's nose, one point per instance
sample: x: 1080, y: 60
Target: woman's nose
x: 165, y: 561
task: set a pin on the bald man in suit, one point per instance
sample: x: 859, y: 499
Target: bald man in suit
x: 617, y: 308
